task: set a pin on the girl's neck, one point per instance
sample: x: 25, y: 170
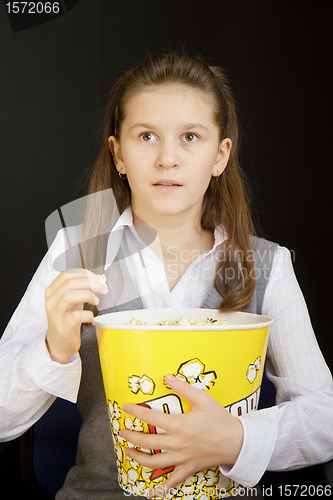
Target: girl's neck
x: 181, y: 241
x: 176, y: 234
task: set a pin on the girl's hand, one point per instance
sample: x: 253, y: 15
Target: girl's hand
x: 205, y: 437
x: 64, y: 300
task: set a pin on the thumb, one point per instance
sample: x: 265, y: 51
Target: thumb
x: 184, y: 389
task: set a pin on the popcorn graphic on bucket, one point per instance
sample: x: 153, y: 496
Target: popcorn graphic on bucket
x: 225, y: 360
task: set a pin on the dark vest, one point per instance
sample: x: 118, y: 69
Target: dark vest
x: 95, y: 474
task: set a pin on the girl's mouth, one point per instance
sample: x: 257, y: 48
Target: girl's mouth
x: 167, y: 185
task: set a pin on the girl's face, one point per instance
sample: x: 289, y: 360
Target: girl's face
x: 169, y: 148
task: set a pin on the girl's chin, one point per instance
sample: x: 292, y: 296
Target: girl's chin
x: 159, y: 207
x: 171, y: 213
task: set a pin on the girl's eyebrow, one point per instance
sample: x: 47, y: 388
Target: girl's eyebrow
x: 196, y: 125
x: 186, y: 126
x: 142, y: 125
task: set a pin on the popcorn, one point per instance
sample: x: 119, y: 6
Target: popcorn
x: 183, y: 321
x: 136, y: 322
x: 102, y: 279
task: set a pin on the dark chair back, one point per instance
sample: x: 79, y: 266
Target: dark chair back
x: 49, y: 448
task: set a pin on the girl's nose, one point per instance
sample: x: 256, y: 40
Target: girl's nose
x: 167, y: 156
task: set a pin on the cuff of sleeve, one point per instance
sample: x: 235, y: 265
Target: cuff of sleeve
x: 260, y: 434
x: 60, y: 380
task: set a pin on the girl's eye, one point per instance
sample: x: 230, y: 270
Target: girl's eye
x: 190, y: 137
x: 148, y: 137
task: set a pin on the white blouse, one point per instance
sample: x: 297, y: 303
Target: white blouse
x: 296, y: 433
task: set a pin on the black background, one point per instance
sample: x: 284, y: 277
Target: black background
x: 55, y: 81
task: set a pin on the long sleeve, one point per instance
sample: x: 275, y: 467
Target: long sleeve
x: 29, y: 380
x: 298, y: 432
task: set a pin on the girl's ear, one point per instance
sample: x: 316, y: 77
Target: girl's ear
x: 115, y: 150
x: 222, y: 157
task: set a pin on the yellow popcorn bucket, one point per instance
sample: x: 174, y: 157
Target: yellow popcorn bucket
x: 225, y: 360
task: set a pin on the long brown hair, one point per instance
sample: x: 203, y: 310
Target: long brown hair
x: 225, y: 202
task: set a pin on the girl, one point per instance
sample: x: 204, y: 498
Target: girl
x: 169, y: 153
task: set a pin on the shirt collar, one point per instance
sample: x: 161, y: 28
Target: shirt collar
x: 219, y: 236
x: 116, y: 234
x: 126, y: 219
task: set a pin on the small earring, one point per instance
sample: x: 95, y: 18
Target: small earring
x: 122, y: 176
x: 217, y: 176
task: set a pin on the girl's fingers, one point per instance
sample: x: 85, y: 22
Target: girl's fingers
x: 194, y: 395
x: 68, y: 300
x: 62, y: 278
x: 156, y: 461
x: 65, y: 340
x: 76, y: 283
x: 72, y: 284
x: 64, y: 300
x: 147, y: 441
x: 175, y: 479
x: 75, y: 279
x: 149, y: 416
x: 163, y: 420
x: 75, y: 318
